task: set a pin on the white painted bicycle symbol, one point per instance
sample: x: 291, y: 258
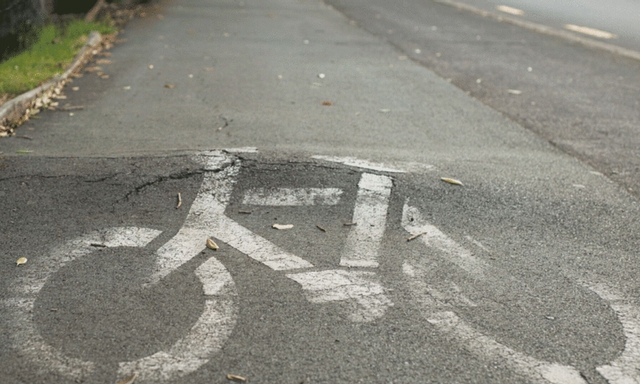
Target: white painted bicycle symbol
x: 359, y: 287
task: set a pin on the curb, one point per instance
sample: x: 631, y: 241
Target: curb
x: 16, y: 111
x: 543, y: 29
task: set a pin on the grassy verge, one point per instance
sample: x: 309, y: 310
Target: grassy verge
x: 49, y: 56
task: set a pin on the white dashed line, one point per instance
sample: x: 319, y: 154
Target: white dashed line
x: 292, y: 196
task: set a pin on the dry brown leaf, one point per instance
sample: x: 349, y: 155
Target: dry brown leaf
x: 170, y: 86
x: 103, y: 61
x: 416, y: 236
x: 451, y: 181
x: 327, y: 103
x: 128, y: 380
x: 212, y: 245
x: 282, y: 226
x: 21, y: 261
x: 235, y: 378
x: 93, y: 69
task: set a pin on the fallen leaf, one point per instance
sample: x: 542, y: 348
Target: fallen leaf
x: 327, y: 103
x: 170, y: 86
x: 282, y: 226
x: 321, y: 228
x: 212, y: 245
x: 127, y: 87
x: 235, y: 378
x: 416, y: 236
x: 514, y: 91
x: 93, y: 69
x: 21, y: 261
x: 179, y: 201
x: 128, y: 380
x: 451, y: 181
x: 150, y: 66
x: 103, y: 61
x: 75, y: 88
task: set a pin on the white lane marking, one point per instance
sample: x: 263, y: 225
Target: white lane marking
x: 440, y: 314
x: 414, y: 223
x: 292, y: 196
x: 205, y: 338
x: 21, y: 326
x: 206, y: 218
x: 352, y: 161
x: 370, y: 212
x: 510, y: 10
x: 357, y: 287
x: 590, y: 31
x: 626, y: 368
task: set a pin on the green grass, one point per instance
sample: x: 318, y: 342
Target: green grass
x: 47, y: 57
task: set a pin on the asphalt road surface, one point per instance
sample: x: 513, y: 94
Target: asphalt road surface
x: 336, y: 123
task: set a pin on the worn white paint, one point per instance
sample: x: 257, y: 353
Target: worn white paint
x: 23, y: 293
x: 590, y: 31
x: 438, y: 311
x: 206, y: 219
x: 359, y: 288
x: 364, y: 164
x: 370, y: 214
x: 205, y: 337
x: 292, y: 196
x: 414, y: 223
x: 626, y: 368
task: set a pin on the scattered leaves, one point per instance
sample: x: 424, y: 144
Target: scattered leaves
x: 235, y: 378
x: 129, y: 379
x: 282, y: 226
x: 179, y: 201
x: 170, y: 86
x: 22, y: 260
x: 327, y: 103
x: 451, y: 181
x: 212, y: 245
x: 416, y: 236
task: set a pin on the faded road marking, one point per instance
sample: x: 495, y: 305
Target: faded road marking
x: 439, y: 313
x: 590, y: 31
x: 370, y: 212
x: 206, y: 337
x: 358, y: 287
x: 510, y: 10
x: 626, y: 368
x: 292, y: 196
x: 24, y: 290
x: 414, y: 223
x: 352, y: 161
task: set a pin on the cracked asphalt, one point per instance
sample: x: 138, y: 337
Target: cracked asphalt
x: 517, y: 255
